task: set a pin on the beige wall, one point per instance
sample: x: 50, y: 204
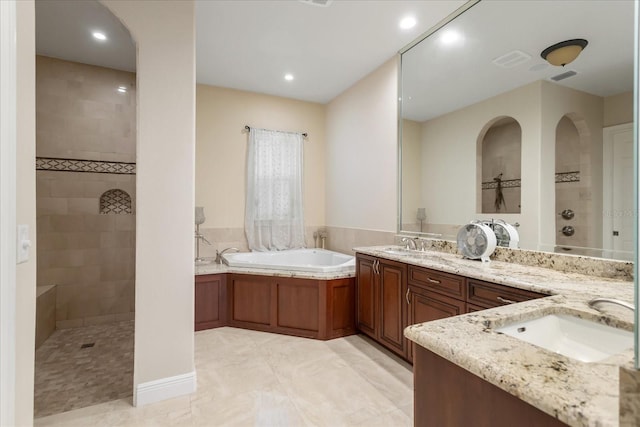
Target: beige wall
x: 411, y: 173
x: 618, y: 109
x: 362, y: 135
x: 25, y: 211
x: 164, y: 32
x: 449, y: 162
x: 221, y: 146
x: 90, y: 256
x: 449, y: 157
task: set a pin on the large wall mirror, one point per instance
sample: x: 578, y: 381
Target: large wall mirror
x: 491, y: 130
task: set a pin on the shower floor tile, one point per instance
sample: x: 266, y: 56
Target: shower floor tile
x: 81, y: 367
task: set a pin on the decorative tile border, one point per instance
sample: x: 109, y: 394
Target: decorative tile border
x: 515, y: 183
x: 78, y: 165
x: 506, y: 183
x: 568, y: 177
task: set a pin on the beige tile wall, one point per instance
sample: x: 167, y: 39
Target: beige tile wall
x: 572, y: 154
x: 45, y: 313
x: 338, y: 239
x: 501, y: 154
x: 81, y: 115
x: 88, y: 255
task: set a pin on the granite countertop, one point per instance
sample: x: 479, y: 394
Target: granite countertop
x: 212, y: 268
x: 577, y: 393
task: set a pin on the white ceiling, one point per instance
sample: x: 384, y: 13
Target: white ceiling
x: 251, y: 44
x: 64, y: 28
x: 438, y: 79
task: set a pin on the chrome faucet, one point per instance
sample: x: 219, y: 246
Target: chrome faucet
x: 595, y: 301
x: 219, y: 254
x: 409, y: 242
x: 199, y: 236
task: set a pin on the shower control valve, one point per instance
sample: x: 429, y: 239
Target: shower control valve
x: 568, y: 230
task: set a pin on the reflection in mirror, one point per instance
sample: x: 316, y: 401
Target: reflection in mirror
x: 499, y: 148
x: 461, y: 95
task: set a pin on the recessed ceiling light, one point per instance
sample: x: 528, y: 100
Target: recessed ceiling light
x: 407, y: 22
x: 122, y: 89
x: 99, y: 36
x: 288, y: 77
x: 450, y: 37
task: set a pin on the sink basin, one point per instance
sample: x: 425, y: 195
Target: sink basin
x: 571, y: 336
x: 397, y: 251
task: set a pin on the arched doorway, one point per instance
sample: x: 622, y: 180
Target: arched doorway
x: 85, y: 149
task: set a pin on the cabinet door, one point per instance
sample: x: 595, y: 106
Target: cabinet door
x: 392, y: 277
x: 250, y: 301
x: 425, y: 306
x: 366, y: 295
x: 209, y: 302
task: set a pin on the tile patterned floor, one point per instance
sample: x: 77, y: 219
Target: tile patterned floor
x: 69, y: 377
x: 248, y: 378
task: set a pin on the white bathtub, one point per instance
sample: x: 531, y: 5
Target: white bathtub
x: 311, y: 260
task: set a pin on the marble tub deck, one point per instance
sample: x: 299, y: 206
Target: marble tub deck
x: 577, y: 393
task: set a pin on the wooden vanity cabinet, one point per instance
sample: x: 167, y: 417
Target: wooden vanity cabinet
x: 392, y: 295
x: 424, y: 306
x: 380, y: 291
x: 489, y: 295
x: 210, y: 297
x: 448, y: 395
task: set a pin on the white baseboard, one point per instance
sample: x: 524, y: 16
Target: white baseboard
x: 165, y: 388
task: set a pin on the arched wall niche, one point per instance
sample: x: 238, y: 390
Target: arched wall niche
x: 499, y: 166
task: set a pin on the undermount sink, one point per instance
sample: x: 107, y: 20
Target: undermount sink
x: 577, y: 338
x: 397, y: 251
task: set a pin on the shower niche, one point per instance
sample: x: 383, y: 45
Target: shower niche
x: 499, y: 149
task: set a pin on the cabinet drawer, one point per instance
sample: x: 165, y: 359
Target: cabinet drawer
x: 437, y: 281
x: 490, y: 295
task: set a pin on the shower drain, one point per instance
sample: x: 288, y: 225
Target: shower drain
x: 88, y: 345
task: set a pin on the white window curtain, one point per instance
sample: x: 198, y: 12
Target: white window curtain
x: 274, y: 217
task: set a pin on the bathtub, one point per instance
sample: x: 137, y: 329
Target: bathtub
x: 311, y: 260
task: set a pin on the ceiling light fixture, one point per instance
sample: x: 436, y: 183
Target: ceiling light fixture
x: 408, y: 22
x: 99, y: 36
x: 450, y: 37
x: 288, y: 77
x: 122, y: 89
x: 563, y: 53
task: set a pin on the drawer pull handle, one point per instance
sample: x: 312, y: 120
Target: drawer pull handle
x: 406, y: 296
x: 433, y: 280
x: 506, y: 301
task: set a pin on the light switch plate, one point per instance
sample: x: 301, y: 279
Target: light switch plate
x: 23, y: 244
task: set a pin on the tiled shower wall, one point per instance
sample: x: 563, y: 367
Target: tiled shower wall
x: 501, y: 154
x: 80, y: 114
x: 572, y: 155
